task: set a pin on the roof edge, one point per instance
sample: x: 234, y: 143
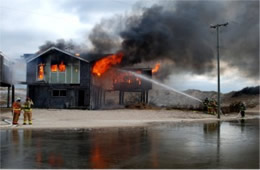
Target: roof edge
x: 55, y: 48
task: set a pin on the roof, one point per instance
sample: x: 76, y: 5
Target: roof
x: 6, y: 59
x: 91, y: 57
x: 32, y: 57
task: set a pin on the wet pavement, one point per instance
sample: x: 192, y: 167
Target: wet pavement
x: 232, y: 144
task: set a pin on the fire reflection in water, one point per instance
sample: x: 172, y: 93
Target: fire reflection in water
x: 110, y: 148
x: 55, y: 160
x: 97, y: 159
x: 113, y: 148
x: 154, y: 153
x: 15, y: 140
x: 38, y: 156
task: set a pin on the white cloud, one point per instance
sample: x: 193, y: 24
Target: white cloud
x: 27, y: 24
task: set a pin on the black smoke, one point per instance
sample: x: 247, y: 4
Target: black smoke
x: 104, y: 37
x: 60, y: 43
x: 180, y: 31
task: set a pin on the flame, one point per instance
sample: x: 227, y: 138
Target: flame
x: 156, y: 68
x: 101, y: 66
x: 54, y: 68
x: 62, y: 67
x: 127, y: 79
x: 41, y: 72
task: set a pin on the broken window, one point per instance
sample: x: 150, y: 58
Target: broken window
x: 62, y: 67
x: 41, y: 71
x: 54, y: 68
x: 63, y: 70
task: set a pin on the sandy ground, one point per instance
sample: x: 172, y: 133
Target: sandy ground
x: 52, y: 118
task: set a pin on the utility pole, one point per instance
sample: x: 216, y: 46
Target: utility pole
x: 218, y: 63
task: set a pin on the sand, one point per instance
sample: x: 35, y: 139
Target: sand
x: 66, y: 119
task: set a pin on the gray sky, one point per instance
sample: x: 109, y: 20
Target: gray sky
x: 27, y: 24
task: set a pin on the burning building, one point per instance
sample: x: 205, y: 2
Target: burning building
x: 60, y: 79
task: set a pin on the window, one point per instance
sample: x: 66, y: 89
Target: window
x: 75, y: 74
x: 68, y: 74
x: 61, y: 77
x: 63, y: 93
x: 54, y: 68
x: 63, y: 71
x: 54, y: 77
x: 55, y: 93
x: 40, y: 71
x: 59, y: 93
x: 62, y: 67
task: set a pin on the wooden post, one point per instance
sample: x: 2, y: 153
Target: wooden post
x: 141, y: 97
x: 123, y: 96
x: 100, y: 96
x: 146, y: 97
x: 95, y: 98
x: 13, y: 93
x: 104, y: 97
x: 119, y: 98
x: 8, y: 97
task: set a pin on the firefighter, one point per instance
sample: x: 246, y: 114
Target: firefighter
x: 27, y: 107
x: 206, y: 104
x: 242, y: 109
x: 16, y: 109
x: 210, y: 107
x: 214, y: 107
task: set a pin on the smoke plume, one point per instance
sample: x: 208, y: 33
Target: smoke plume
x: 60, y: 43
x: 180, y: 31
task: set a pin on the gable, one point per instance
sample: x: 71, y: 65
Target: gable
x: 57, y: 51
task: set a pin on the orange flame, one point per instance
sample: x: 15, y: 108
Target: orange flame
x: 54, y: 68
x: 41, y: 72
x: 62, y: 67
x: 101, y: 66
x: 156, y: 68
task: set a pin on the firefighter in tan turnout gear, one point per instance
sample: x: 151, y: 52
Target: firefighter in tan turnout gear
x: 27, y: 107
x: 212, y: 107
x: 16, y: 109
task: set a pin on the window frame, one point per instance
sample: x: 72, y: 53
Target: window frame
x: 59, y: 92
x: 37, y: 72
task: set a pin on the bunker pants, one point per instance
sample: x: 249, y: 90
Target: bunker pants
x: 16, y: 117
x: 27, y: 117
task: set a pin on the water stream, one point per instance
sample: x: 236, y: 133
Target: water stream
x: 161, y: 84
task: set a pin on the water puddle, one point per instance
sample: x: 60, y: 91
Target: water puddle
x: 233, y: 144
